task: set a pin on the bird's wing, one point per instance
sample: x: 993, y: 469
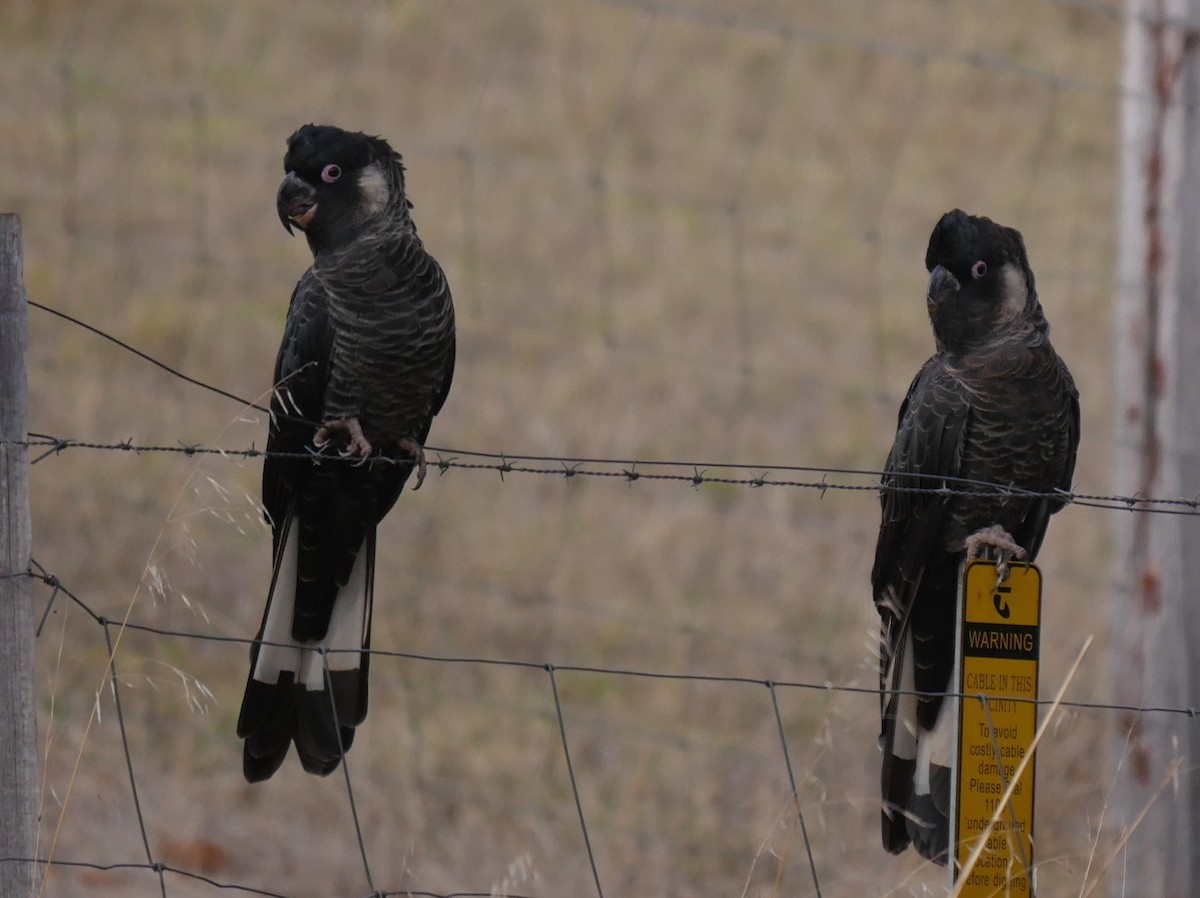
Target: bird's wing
x: 928, y: 449
x: 1057, y: 445
x: 910, y: 555
x: 301, y: 373
x: 910, y: 560
x: 1070, y: 429
x: 444, y: 390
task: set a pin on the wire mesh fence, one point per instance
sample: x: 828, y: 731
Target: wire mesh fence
x: 687, y: 231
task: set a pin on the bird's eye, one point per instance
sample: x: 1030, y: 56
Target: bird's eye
x: 979, y: 269
x: 332, y: 172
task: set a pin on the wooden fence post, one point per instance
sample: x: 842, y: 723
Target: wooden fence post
x: 1156, y: 619
x: 18, y: 723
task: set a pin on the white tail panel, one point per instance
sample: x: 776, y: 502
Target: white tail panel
x: 347, y: 628
x: 273, y: 659
x: 904, y: 742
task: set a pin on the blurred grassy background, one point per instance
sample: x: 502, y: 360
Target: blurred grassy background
x: 691, y: 230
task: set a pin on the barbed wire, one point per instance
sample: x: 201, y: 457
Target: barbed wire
x: 606, y: 469
x: 504, y: 464
x: 689, y: 473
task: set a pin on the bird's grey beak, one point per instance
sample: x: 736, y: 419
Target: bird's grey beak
x: 296, y: 202
x: 941, y: 284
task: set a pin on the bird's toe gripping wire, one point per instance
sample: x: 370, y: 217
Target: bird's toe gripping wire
x: 357, y: 447
x: 994, y: 542
x: 417, y: 451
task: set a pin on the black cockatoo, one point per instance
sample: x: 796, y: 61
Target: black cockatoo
x: 995, y: 403
x: 366, y: 362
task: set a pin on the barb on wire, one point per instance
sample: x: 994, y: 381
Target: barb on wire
x: 571, y: 467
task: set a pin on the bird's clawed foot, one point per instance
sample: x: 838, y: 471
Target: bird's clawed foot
x: 358, y: 447
x: 417, y: 451
x: 995, y: 542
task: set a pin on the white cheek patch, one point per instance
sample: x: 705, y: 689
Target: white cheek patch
x: 1014, y: 292
x: 373, y: 185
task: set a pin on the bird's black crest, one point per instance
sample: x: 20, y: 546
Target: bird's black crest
x: 959, y: 240
x: 313, y: 146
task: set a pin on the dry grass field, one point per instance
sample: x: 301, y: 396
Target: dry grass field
x: 680, y: 231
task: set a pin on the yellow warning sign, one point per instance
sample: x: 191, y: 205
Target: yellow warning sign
x: 998, y: 677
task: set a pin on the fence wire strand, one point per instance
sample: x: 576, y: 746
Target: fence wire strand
x: 599, y: 670
x: 40, y: 573
x: 133, y: 788
x: 787, y: 760
x: 566, y: 747
x: 903, y: 49
x: 690, y: 473
x: 628, y: 472
x: 625, y: 469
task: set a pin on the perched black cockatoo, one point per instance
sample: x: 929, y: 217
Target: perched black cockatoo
x: 995, y: 403
x: 366, y: 362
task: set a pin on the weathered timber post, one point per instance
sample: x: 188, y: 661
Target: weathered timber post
x: 18, y: 723
x: 1156, y: 620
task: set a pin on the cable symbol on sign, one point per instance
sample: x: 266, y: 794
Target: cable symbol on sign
x: 1000, y: 602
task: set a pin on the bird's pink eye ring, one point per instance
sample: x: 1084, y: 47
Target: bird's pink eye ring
x: 979, y: 269
x: 331, y: 173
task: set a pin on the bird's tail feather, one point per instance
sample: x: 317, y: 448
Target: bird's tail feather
x: 928, y: 817
x: 311, y: 692
x: 915, y: 776
x: 898, y: 740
